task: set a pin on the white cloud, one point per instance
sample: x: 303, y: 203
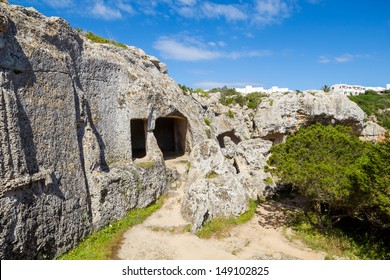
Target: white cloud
x: 187, y: 2
x: 344, y: 58
x: 125, y: 7
x: 105, y: 12
x: 191, y: 48
x: 272, y: 11
x: 170, y: 48
x: 252, y: 53
x: 229, y: 12
x: 59, y: 3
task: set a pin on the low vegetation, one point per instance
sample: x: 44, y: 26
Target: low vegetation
x: 219, y: 227
x: 375, y: 104
x: 346, y: 182
x: 102, y: 244
x: 186, y: 90
x: 145, y: 164
x: 229, y: 97
x: 230, y: 114
x: 100, y: 40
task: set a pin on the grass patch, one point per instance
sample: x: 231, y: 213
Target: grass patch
x: 145, y: 164
x: 338, y: 243
x: 375, y: 104
x: 101, y: 244
x: 220, y: 226
x: 100, y: 40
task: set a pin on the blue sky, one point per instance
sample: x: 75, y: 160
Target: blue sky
x: 299, y: 44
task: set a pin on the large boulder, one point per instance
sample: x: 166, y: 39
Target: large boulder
x: 213, y: 188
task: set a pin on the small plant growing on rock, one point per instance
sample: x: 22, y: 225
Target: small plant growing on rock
x: 207, y: 121
x: 211, y: 175
x: 230, y: 114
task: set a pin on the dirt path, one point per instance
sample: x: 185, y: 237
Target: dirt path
x: 162, y: 236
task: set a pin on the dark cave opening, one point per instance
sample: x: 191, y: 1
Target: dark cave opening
x: 138, y: 138
x: 170, y: 133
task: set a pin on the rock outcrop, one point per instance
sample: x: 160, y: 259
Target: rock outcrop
x: 73, y: 117
x: 281, y: 114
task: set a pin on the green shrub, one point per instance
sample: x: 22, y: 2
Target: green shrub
x: 202, y: 93
x: 375, y: 104
x: 337, y: 173
x: 268, y: 180
x: 251, y: 105
x: 186, y: 90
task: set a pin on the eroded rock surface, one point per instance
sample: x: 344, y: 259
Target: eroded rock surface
x: 67, y: 136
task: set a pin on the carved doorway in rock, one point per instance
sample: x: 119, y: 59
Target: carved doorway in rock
x: 170, y: 133
x: 138, y: 138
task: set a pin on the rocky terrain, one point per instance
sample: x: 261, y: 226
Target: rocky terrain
x: 85, y: 130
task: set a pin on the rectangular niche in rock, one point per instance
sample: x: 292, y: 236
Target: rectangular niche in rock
x: 138, y: 138
x: 170, y: 133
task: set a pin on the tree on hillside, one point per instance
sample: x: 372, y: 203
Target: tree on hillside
x: 340, y: 175
x: 326, y: 88
x: 317, y: 161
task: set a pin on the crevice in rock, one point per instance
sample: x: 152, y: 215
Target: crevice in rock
x: 229, y: 134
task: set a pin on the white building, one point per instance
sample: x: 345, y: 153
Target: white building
x: 377, y: 89
x: 348, y: 89
x: 250, y: 89
x: 388, y: 86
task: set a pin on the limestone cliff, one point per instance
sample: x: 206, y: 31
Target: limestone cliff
x: 73, y: 116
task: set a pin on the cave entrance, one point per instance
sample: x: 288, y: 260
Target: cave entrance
x: 138, y: 138
x: 229, y: 134
x: 170, y: 133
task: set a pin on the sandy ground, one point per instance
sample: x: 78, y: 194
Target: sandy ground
x: 162, y: 237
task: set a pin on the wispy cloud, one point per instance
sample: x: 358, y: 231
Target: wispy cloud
x: 272, y: 11
x: 125, y: 7
x: 324, y: 59
x: 59, y: 3
x: 258, y: 12
x: 170, y: 48
x: 101, y: 10
x: 229, y: 12
x: 344, y: 58
x: 192, y: 48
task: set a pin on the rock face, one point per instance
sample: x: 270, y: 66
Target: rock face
x: 73, y: 117
x: 213, y: 189
x: 281, y: 113
x: 85, y: 130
